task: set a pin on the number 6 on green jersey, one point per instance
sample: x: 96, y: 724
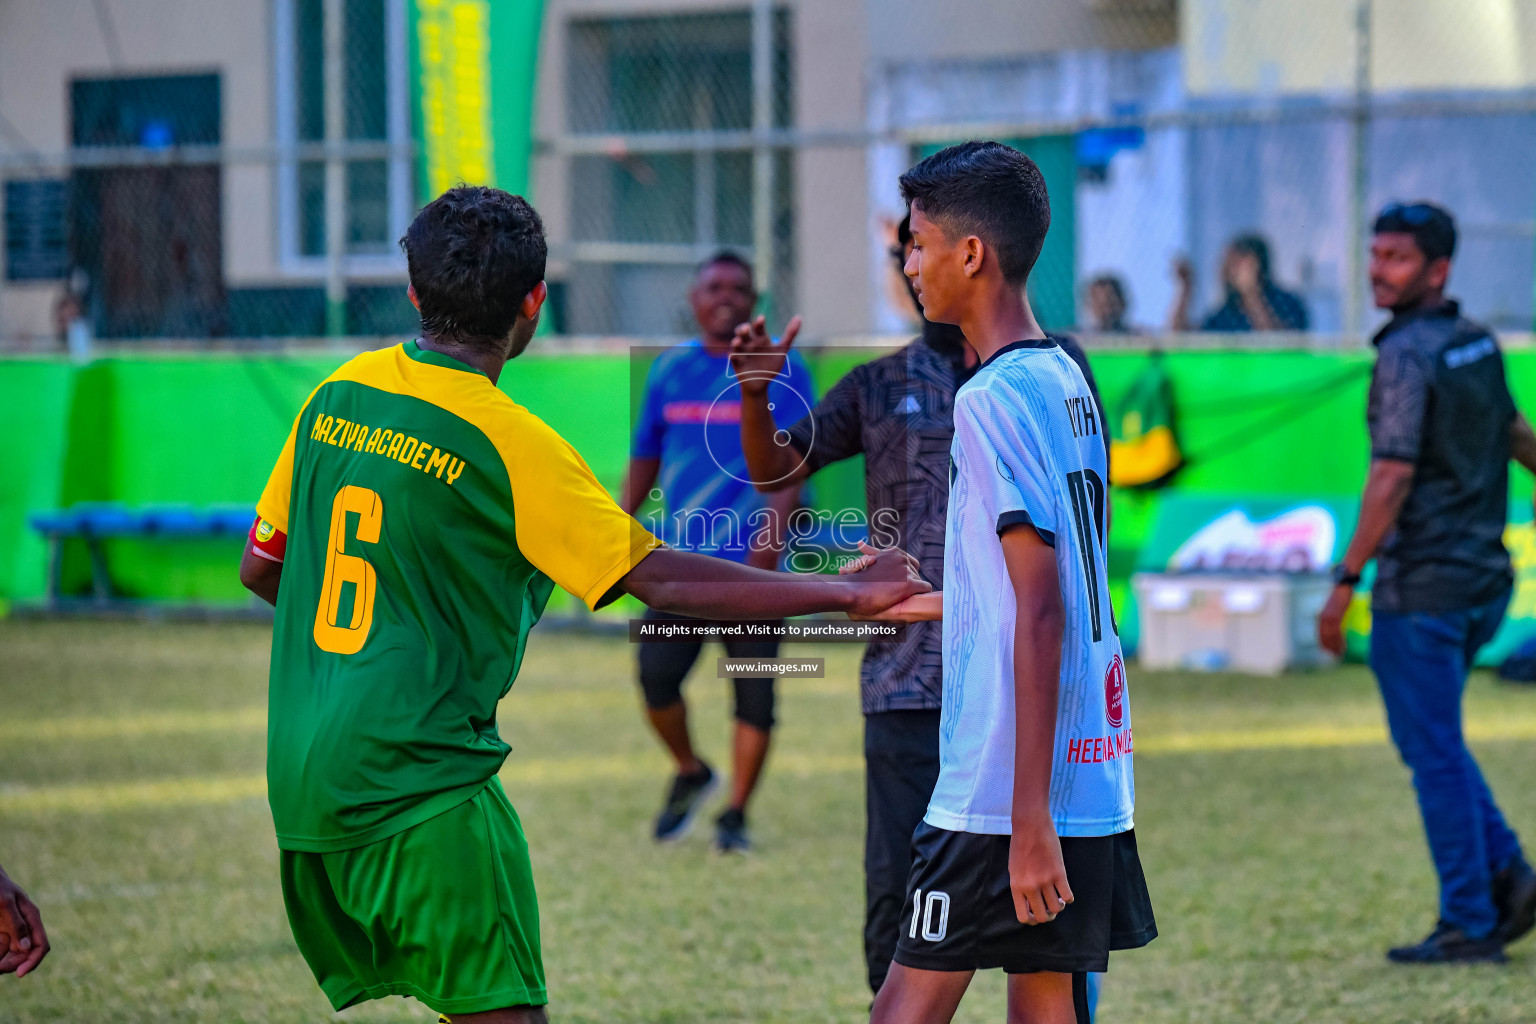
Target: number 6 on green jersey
x: 342, y: 568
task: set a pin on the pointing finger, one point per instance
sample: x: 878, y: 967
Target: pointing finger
x: 791, y: 330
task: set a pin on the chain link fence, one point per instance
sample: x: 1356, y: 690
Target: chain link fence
x: 663, y: 166
x: 1166, y: 130
x: 1198, y: 154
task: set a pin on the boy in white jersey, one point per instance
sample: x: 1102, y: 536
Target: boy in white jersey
x: 1026, y: 859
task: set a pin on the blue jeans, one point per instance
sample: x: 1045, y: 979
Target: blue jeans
x: 1421, y: 662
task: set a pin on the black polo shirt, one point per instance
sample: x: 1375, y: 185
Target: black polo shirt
x: 898, y: 411
x: 1439, y: 400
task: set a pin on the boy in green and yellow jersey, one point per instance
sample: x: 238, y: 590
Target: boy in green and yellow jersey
x: 410, y: 535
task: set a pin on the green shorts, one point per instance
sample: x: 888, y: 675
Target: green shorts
x: 444, y: 912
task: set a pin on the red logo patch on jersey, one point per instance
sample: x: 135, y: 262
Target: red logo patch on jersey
x: 1114, y: 693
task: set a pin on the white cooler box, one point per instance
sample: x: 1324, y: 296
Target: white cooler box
x: 1262, y: 623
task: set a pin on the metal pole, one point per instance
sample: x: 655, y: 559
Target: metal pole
x: 335, y: 170
x: 706, y: 232
x: 762, y: 154
x: 1359, y: 186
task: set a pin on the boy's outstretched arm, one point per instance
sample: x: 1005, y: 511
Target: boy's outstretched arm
x: 1035, y: 869
x: 917, y: 608
x: 686, y: 583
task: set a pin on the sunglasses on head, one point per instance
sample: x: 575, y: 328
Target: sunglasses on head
x: 1410, y: 213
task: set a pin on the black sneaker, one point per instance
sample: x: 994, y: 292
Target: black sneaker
x: 687, y: 794
x: 1449, y: 945
x: 731, y: 832
x: 1514, y: 893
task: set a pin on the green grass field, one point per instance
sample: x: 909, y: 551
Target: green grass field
x: 1278, y: 831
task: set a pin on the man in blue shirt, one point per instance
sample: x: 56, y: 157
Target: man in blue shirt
x: 687, y: 446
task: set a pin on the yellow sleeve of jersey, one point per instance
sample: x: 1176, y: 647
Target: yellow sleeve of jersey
x: 567, y: 524
x: 276, y: 496
x: 273, y: 506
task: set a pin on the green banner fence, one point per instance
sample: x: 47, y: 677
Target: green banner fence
x: 204, y: 430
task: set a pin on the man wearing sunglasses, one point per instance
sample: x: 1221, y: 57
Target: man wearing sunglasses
x: 1443, y: 428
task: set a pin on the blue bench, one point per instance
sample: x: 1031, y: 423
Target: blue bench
x: 94, y: 522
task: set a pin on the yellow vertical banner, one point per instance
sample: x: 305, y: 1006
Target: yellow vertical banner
x: 454, y: 78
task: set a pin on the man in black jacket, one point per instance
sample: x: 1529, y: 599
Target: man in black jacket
x: 1443, y: 429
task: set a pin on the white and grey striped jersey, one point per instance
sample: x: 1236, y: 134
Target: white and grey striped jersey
x: 1029, y: 452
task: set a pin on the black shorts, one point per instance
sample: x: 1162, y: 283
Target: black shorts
x: 967, y: 921
x: 665, y: 664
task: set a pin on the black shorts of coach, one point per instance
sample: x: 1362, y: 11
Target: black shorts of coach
x: 959, y: 913
x: 665, y: 664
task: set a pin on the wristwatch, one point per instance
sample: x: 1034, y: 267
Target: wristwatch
x: 1342, y: 577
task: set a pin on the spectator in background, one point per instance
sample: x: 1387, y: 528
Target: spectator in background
x: 1253, y: 301
x: 23, y: 943
x: 67, y: 308
x: 1107, y: 305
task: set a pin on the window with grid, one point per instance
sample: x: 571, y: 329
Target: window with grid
x: 640, y: 220
x: 375, y: 81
